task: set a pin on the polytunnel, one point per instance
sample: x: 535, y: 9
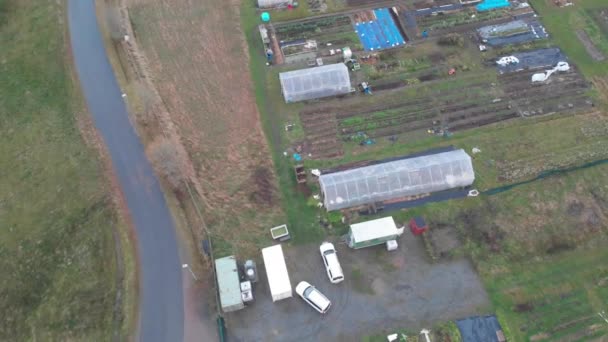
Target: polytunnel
x: 314, y: 83
x: 397, y: 179
x: 273, y: 3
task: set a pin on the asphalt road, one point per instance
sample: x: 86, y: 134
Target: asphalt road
x: 161, y: 315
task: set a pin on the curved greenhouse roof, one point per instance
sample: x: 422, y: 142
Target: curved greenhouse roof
x: 314, y: 83
x: 395, y: 179
x: 272, y: 3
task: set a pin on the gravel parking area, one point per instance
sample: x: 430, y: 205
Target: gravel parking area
x: 382, y: 291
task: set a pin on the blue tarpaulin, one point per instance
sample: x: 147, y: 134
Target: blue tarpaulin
x: 487, y: 5
x: 381, y: 33
x: 479, y: 329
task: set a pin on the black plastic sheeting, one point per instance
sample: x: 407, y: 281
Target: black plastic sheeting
x: 542, y: 58
x: 479, y: 329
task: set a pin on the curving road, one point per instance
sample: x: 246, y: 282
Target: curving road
x: 161, y: 305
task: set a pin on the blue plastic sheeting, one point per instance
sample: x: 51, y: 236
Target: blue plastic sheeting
x: 379, y: 34
x: 488, y: 5
x: 479, y: 329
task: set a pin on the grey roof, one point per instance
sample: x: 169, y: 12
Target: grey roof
x: 396, y: 179
x: 228, y: 282
x: 314, y: 83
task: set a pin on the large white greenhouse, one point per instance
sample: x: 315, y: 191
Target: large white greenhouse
x: 314, y: 83
x: 273, y: 3
x: 396, y: 179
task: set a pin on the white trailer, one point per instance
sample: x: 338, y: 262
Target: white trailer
x: 374, y: 232
x: 276, y: 271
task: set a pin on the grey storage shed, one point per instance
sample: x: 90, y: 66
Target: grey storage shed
x: 314, y: 83
x: 396, y: 179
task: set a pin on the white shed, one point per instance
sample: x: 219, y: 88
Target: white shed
x: 373, y: 232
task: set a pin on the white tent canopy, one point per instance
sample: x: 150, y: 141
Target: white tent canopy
x: 395, y: 179
x: 314, y: 83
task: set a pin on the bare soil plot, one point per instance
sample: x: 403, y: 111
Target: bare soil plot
x: 197, y: 57
x: 315, y: 37
x: 381, y: 291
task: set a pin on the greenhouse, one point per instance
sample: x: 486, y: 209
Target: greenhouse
x: 273, y: 3
x: 314, y: 83
x: 396, y: 179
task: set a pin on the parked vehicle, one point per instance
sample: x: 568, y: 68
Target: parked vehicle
x: 313, y: 297
x: 332, y: 265
x: 276, y: 271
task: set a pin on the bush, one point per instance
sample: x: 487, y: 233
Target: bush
x: 168, y: 162
x: 114, y: 23
x: 451, y: 39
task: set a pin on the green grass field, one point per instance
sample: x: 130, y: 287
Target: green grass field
x: 562, y: 23
x: 56, y: 247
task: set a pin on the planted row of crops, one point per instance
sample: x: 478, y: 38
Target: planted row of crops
x: 310, y: 28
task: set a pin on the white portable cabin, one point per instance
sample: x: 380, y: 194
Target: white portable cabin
x: 373, y: 232
x: 276, y: 271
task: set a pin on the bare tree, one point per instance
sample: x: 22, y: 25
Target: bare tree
x: 169, y: 162
x: 149, y: 102
x: 113, y: 21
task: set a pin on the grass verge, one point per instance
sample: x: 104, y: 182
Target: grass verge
x: 562, y: 24
x: 57, y: 250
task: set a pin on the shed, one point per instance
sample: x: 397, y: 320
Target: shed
x: 314, y: 83
x: 396, y: 179
x: 373, y: 232
x: 228, y: 284
x: 273, y: 3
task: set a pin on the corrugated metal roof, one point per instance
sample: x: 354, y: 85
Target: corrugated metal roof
x: 228, y: 282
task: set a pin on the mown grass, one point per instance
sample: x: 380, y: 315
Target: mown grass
x: 562, y: 23
x: 56, y: 248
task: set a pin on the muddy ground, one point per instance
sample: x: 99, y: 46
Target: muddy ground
x: 382, y: 291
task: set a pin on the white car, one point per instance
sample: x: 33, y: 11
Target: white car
x: 313, y: 297
x: 332, y: 265
x: 504, y: 61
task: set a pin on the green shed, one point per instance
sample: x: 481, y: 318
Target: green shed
x: 228, y: 284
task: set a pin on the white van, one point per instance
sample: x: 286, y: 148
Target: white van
x: 332, y: 265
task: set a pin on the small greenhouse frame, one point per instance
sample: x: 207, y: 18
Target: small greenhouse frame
x: 396, y: 179
x: 314, y: 83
